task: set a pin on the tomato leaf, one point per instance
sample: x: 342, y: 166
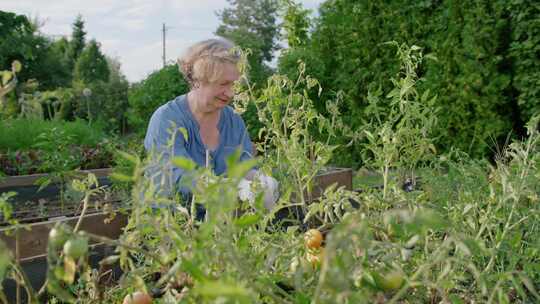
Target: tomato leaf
x: 184, y: 163
x: 247, y: 220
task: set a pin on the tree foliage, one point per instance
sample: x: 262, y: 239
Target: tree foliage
x: 524, y: 55
x: 156, y: 89
x: 483, y: 67
x: 296, y: 23
x: 252, y: 25
x: 78, y: 39
x: 92, y: 65
x: 21, y: 40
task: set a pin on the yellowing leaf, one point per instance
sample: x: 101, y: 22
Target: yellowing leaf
x: 121, y: 177
x: 6, y: 77
x: 16, y: 66
x: 129, y: 157
x: 184, y: 133
x: 70, y: 267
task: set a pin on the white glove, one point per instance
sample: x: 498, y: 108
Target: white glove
x: 269, y: 185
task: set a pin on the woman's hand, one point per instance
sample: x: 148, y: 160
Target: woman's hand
x: 268, y: 184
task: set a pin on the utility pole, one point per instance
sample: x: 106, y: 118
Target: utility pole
x: 164, y: 56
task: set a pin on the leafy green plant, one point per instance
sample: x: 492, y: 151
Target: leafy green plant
x: 35, y: 150
x: 399, y: 130
x: 296, y: 23
x: 294, y: 153
x: 67, y: 248
x: 59, y: 164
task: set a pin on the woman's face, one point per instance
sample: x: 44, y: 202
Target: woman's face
x: 218, y: 94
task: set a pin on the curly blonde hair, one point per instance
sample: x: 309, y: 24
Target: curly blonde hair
x: 203, y: 62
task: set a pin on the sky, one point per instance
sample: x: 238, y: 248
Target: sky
x: 131, y: 30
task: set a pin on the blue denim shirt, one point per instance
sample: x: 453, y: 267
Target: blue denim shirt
x: 164, y: 126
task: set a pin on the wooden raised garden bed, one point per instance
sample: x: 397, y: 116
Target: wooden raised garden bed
x: 30, y: 241
x: 39, y: 211
x: 339, y: 176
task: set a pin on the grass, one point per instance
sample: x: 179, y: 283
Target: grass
x: 22, y: 134
x: 363, y: 179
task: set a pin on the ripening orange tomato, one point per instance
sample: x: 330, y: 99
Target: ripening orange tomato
x: 137, y: 297
x: 313, y: 239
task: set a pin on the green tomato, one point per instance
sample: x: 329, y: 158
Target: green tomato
x: 57, y: 237
x: 76, y: 248
x: 390, y: 281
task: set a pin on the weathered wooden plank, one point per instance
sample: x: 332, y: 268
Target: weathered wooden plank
x: 339, y: 176
x: 29, y: 180
x: 33, y: 242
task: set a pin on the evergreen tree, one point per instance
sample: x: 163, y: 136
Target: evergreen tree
x: 92, y: 65
x: 78, y: 39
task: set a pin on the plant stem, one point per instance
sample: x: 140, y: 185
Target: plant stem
x: 26, y: 282
x: 83, y: 212
x: 385, y: 181
x: 3, y: 297
x: 108, y: 241
x: 421, y: 269
x: 503, y: 235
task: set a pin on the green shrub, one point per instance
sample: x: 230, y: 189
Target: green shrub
x: 156, y: 89
x: 484, y: 72
x: 525, y: 54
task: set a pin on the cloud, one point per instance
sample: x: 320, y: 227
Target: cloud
x: 134, y: 15
x: 111, y: 44
x: 60, y: 8
x: 138, y: 62
x: 200, y: 5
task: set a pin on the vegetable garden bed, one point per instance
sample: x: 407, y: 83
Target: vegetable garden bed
x: 28, y: 242
x: 30, y: 204
x: 38, y: 211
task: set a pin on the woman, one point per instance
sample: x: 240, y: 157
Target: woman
x: 214, y: 130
